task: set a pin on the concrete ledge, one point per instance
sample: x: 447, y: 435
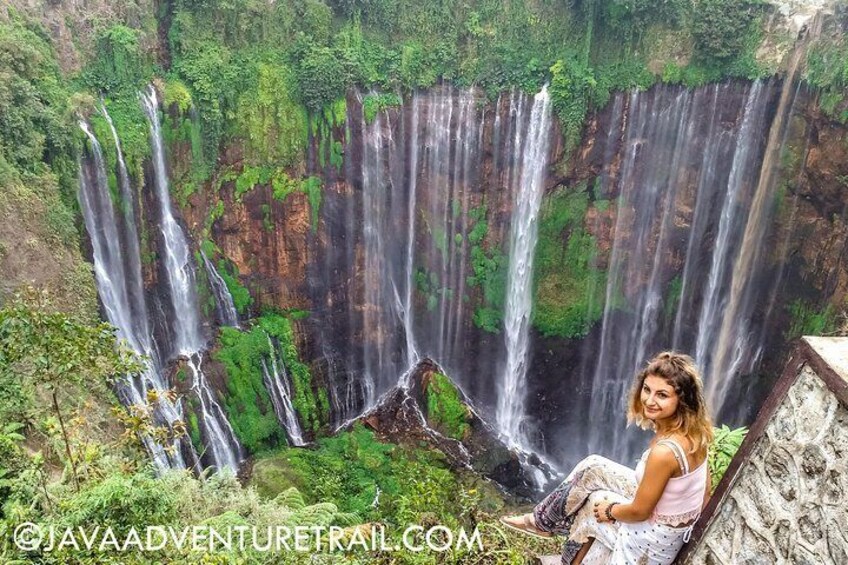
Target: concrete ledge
x: 770, y: 533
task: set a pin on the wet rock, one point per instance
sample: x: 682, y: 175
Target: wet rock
x: 401, y: 416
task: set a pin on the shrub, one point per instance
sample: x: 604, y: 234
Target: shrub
x: 373, y: 104
x: 721, y: 451
x: 120, y: 63
x: 721, y: 27
x: 321, y: 77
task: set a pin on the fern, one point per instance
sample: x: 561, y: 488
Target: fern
x: 291, y: 498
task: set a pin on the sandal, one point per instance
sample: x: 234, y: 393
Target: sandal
x: 524, y: 524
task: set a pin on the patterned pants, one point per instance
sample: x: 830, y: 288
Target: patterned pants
x: 565, y: 512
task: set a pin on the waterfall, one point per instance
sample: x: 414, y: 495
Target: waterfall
x: 732, y: 216
x: 715, y: 143
x: 280, y: 389
x: 135, y: 281
x: 221, y: 442
x: 119, y: 286
x: 188, y: 338
x: 677, y: 175
x: 733, y: 346
x: 224, y: 305
x: 412, y: 355
x: 416, y: 174
x: 380, y: 300
x: 533, y: 159
x: 665, y: 165
x: 185, y: 322
x: 424, y: 176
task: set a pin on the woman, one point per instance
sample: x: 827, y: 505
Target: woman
x: 613, y: 514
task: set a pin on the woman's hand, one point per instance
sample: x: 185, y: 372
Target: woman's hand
x: 600, y: 511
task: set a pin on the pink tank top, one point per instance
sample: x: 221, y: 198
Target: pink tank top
x: 683, y: 497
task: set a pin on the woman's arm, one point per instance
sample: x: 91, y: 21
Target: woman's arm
x: 707, y: 492
x: 659, y: 468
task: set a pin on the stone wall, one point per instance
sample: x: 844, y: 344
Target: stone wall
x: 785, y: 497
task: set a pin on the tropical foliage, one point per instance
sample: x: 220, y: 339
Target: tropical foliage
x: 724, y: 446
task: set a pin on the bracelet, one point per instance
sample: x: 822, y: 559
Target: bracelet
x: 608, y: 512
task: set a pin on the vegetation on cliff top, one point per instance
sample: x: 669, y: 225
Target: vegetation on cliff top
x: 253, y: 72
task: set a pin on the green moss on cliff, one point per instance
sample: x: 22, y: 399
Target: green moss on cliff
x: 228, y: 271
x: 270, y: 119
x: 827, y: 69
x: 247, y: 403
x: 489, y: 265
x: 569, y: 289
x: 808, y: 319
x: 312, y: 410
x: 39, y: 143
x: 445, y: 409
x: 372, y: 104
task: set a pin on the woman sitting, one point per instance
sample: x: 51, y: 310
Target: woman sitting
x: 613, y: 514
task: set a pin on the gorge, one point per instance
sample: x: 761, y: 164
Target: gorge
x: 370, y: 228
x: 424, y: 247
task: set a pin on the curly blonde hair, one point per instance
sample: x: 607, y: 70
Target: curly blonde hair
x: 692, y: 419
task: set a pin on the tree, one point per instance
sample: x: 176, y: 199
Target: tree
x: 49, y: 350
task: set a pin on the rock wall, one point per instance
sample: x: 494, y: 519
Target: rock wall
x: 785, y: 500
x: 288, y: 261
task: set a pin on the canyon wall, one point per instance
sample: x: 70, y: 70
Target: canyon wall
x: 662, y: 187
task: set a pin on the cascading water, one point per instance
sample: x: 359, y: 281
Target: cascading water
x: 420, y: 174
x: 221, y: 442
x: 734, y: 348
x: 732, y: 217
x: 412, y: 355
x: 674, y: 188
x: 533, y: 156
x: 381, y: 317
x: 278, y: 384
x: 224, y: 304
x: 135, y: 282
x: 118, y: 277
x: 675, y: 173
x: 188, y: 338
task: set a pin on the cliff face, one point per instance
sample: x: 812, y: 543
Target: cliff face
x: 655, y: 171
x: 820, y: 196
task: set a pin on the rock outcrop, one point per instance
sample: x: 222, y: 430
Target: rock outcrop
x: 406, y: 415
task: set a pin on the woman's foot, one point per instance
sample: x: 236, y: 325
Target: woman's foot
x: 525, y: 524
